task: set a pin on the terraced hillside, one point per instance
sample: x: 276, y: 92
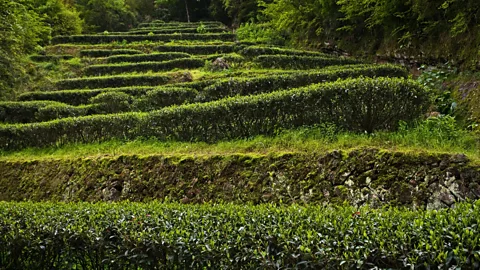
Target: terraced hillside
x: 256, y: 157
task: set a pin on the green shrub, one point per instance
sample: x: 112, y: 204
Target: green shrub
x: 175, y: 27
x: 101, y: 101
x: 79, y: 96
x: 179, y: 24
x: 170, y: 236
x: 262, y: 33
x: 253, y: 51
x: 112, y: 81
x: 197, y: 85
x: 301, y: 62
x: 185, y: 63
x: 146, y: 57
x: 99, y: 39
x: 176, y: 30
x: 106, y: 53
x: 197, y: 49
x: 359, y: 105
x: 112, y: 102
x: 269, y: 83
x: 38, y: 111
x: 160, y: 31
x: 22, y: 112
x: 53, y: 112
x: 164, y: 97
x: 50, y: 58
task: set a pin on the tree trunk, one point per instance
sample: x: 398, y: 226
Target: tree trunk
x: 188, y: 13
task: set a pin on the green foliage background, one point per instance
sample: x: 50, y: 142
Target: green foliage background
x: 447, y: 29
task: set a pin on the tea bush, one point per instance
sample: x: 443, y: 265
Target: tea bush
x: 53, y: 112
x: 79, y: 96
x: 112, y: 102
x: 360, y: 105
x: 171, y: 236
x: 82, y: 96
x: 183, y: 63
x: 176, y: 94
x: 197, y: 49
x: 176, y: 30
x: 252, y: 51
x: 146, y: 57
x: 50, y: 58
x: 112, y: 81
x: 99, y: 39
x: 105, y: 53
x: 262, y: 84
x: 22, y: 112
x: 179, y: 24
x: 164, y: 97
x: 301, y: 62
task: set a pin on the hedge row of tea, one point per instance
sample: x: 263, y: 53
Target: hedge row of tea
x: 180, y: 25
x: 107, y: 53
x: 172, y: 236
x: 182, y: 63
x: 146, y: 57
x: 114, y: 100
x: 146, y: 31
x: 148, y: 99
x: 81, y: 96
x: 204, y: 49
x: 197, y: 49
x: 301, y: 62
x: 269, y: 83
x: 360, y: 105
x: 78, y: 96
x: 50, y: 58
x: 177, y: 27
x: 113, y: 81
x: 262, y: 50
x: 98, y: 39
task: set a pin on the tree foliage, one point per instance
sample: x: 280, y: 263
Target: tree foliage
x: 185, y: 10
x: 20, y: 32
x: 242, y: 10
x: 435, y: 28
x: 106, y: 15
x: 26, y: 24
x: 62, y: 18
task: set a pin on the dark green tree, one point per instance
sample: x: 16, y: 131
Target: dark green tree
x: 241, y: 11
x: 106, y: 15
x: 21, y: 31
x: 144, y: 10
x: 61, y: 17
x: 186, y: 10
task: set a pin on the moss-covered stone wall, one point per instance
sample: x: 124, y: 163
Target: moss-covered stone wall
x: 359, y: 177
